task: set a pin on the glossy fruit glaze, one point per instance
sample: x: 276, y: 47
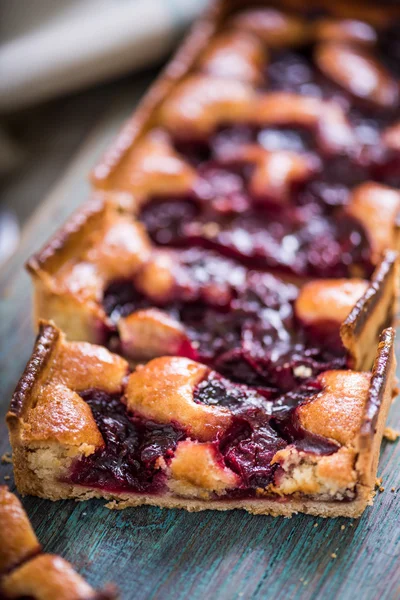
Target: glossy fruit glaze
x: 298, y: 240
x: 239, y: 322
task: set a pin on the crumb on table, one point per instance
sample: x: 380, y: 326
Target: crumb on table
x: 6, y: 458
x: 391, y: 434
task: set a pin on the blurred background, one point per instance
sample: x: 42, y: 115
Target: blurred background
x: 62, y: 65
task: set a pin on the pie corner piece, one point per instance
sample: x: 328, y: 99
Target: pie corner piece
x: 25, y: 571
x: 194, y: 447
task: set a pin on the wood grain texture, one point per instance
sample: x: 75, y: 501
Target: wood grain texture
x: 157, y: 554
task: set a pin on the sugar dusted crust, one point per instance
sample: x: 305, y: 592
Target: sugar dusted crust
x: 42, y: 461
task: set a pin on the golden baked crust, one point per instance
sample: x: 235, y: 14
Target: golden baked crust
x: 151, y: 167
x: 25, y: 571
x: 349, y: 412
x: 275, y: 173
x: 346, y: 31
x: 336, y: 412
x: 48, y: 390
x: 162, y: 390
x: 375, y: 310
x: 150, y: 332
x: 274, y: 27
x: 18, y: 540
x: 46, y: 410
x: 47, y: 576
x: 349, y: 66
x: 234, y: 54
x: 97, y: 245
x: 192, y: 111
x: 329, y: 299
x: 378, y: 208
x: 195, y: 466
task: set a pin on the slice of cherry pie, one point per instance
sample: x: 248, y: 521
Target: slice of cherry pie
x: 26, y: 572
x: 175, y: 433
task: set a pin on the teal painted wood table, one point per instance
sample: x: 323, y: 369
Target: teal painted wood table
x: 161, y: 554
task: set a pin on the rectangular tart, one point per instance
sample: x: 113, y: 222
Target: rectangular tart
x: 174, y: 433
x: 241, y: 246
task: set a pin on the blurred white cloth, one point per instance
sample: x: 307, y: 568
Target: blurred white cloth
x: 53, y: 46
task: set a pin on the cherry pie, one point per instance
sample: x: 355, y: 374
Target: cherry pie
x: 236, y: 269
x: 26, y: 572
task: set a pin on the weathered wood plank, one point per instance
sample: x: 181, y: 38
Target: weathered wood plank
x: 156, y: 554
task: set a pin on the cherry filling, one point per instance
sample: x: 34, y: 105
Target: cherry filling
x: 300, y: 242
x: 249, y: 445
x: 129, y: 461
x: 308, y: 236
x: 239, y: 322
x: 248, y: 449
x: 260, y: 428
x: 389, y: 47
x: 291, y: 71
